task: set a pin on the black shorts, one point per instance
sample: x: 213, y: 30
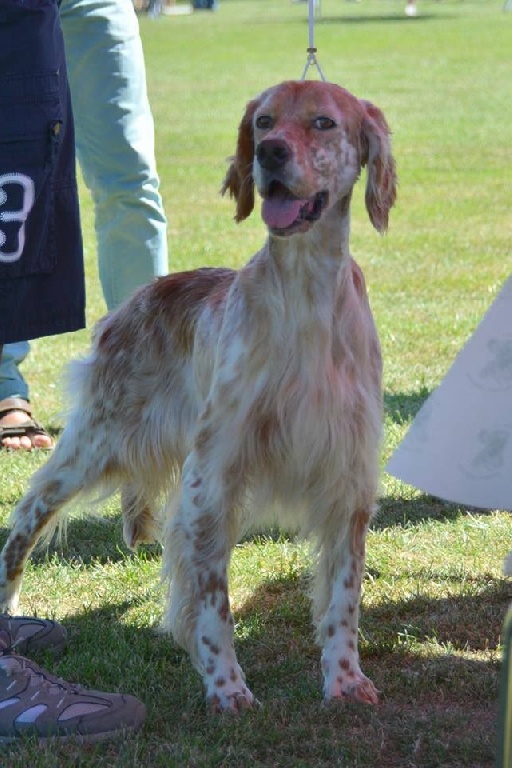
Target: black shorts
x: 42, y: 290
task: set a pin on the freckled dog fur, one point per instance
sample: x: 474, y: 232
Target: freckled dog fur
x: 215, y: 399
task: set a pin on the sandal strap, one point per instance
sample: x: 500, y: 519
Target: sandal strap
x: 27, y: 429
x: 14, y: 404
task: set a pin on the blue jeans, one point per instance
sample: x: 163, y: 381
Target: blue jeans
x: 115, y: 147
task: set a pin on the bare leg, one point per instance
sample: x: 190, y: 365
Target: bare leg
x: 19, y: 431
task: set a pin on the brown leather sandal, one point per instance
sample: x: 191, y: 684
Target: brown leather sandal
x: 28, y: 428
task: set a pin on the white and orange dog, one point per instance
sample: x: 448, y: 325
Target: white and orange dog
x: 244, y: 389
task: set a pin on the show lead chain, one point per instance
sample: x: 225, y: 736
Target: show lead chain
x: 312, y: 60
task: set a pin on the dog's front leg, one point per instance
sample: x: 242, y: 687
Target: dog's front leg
x: 200, y: 617
x: 338, y: 592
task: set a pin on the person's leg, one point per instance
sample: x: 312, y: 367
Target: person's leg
x: 115, y: 145
x: 17, y: 429
x: 115, y: 142
x: 12, y: 383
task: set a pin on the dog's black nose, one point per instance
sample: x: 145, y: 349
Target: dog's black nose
x: 272, y: 154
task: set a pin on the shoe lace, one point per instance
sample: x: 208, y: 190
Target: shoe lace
x: 8, y: 643
x: 38, y: 678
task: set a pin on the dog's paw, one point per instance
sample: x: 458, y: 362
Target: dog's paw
x: 356, y: 687
x: 231, y: 701
x: 140, y: 531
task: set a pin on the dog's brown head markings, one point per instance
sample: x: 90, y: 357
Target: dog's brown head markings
x: 302, y: 144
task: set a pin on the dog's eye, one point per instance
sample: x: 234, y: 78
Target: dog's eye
x: 264, y: 122
x: 324, y: 123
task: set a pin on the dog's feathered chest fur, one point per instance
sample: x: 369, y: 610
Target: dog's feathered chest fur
x: 291, y: 357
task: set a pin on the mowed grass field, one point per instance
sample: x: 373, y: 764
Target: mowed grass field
x: 434, y: 597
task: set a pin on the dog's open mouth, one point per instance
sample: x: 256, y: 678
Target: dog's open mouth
x: 284, y: 213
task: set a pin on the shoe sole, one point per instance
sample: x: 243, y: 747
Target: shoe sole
x: 81, y: 738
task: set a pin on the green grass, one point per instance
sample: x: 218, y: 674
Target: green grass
x: 434, y: 598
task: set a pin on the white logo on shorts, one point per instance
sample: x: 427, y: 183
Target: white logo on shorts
x: 20, y: 214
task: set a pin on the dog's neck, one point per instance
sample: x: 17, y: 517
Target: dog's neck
x: 318, y: 258
x: 303, y: 285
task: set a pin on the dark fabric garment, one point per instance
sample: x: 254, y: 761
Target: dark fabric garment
x: 42, y: 289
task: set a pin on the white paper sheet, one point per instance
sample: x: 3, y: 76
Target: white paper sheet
x: 459, y: 446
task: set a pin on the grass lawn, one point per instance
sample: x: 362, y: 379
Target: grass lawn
x: 434, y: 598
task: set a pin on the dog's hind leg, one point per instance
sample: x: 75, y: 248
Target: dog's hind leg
x: 79, y: 463
x: 139, y: 522
x: 336, y: 606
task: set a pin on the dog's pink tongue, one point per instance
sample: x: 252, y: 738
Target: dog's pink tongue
x: 280, y: 211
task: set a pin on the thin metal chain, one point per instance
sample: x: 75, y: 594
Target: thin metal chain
x: 312, y: 60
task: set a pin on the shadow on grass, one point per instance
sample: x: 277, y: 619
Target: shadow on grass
x: 395, y: 511
x: 279, y: 612
x: 89, y: 540
x: 438, y: 706
x: 54, y: 430
x: 354, y: 19
x: 403, y: 407
x: 413, y: 649
x: 93, y: 540
x: 380, y: 18
x: 275, y: 639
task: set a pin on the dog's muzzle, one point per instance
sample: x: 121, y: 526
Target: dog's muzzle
x: 284, y: 212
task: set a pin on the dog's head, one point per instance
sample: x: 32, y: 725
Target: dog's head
x: 303, y: 144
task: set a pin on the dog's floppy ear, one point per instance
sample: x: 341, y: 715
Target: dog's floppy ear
x: 376, y: 154
x: 239, y: 181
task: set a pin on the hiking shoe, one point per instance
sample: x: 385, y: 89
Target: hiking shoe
x: 35, y: 703
x: 26, y: 634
